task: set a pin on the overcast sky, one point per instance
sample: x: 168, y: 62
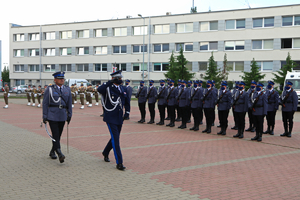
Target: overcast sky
x: 36, y: 12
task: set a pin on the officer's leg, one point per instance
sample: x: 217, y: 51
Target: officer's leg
x: 221, y: 119
x: 291, y: 123
x: 273, y: 122
x: 6, y: 99
x: 207, y: 120
x: 195, y: 118
x: 28, y: 97
x: 201, y: 115
x: 225, y: 122
x: 115, y: 140
x: 33, y: 98
x: 55, y: 134
x: 255, y: 120
x: 260, y: 126
x: 213, y: 117
x: 268, y: 122
x: 284, y: 119
x: 107, y: 148
x: 238, y: 123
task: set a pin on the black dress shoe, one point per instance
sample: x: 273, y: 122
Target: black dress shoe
x: 52, y: 155
x: 196, y: 129
x: 201, y: 123
x: 219, y: 126
x: 159, y: 123
x: 106, y: 159
x: 193, y: 128
x: 205, y: 130
x: 208, y: 130
x: 168, y: 124
x: 189, y: 121
x: 289, y: 135
x: 126, y: 118
x: 255, y: 138
x: 168, y: 118
x: 180, y: 126
x: 253, y: 129
x: 141, y: 121
x: 183, y: 126
x: 150, y: 122
x: 249, y: 129
x: 284, y: 134
x: 120, y: 167
x: 102, y: 115
x: 271, y: 132
x: 178, y: 120
x: 61, y: 156
x: 241, y: 136
x: 172, y: 125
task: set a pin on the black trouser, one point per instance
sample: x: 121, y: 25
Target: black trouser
x: 258, y: 120
x: 142, y: 107
x: 171, y: 113
x: 223, y: 117
x: 240, y: 118
x: 251, y: 121
x: 151, y: 107
x: 189, y: 112
x: 185, y: 114
x: 162, y: 112
x: 271, y: 118
x: 56, y: 129
x: 196, y: 115
x: 114, y: 142
x: 287, y: 118
x: 208, y: 112
x: 213, y: 116
x: 234, y: 117
x: 179, y: 114
x: 201, y: 114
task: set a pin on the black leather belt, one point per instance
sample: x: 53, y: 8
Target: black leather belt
x: 58, y: 106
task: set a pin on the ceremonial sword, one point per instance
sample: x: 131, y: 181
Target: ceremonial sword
x: 48, y: 132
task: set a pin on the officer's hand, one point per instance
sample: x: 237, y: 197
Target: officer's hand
x: 45, y: 120
x: 68, y: 119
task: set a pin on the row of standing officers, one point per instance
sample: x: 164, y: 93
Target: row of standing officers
x: 190, y: 98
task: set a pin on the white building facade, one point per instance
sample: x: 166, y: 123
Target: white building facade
x: 92, y: 50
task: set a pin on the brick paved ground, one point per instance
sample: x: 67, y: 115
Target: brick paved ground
x: 162, y: 162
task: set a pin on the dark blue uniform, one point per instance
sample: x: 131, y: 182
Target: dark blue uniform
x: 240, y: 105
x: 183, y: 103
x: 141, y: 95
x: 172, y: 102
x: 273, y: 103
x: 162, y: 103
x: 209, y: 99
x: 151, y: 95
x: 224, y: 105
x: 196, y: 106
x: 252, y: 126
x: 114, y: 99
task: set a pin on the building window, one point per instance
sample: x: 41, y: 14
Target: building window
x: 119, y: 49
x: 66, y: 51
x: 49, y: 52
x: 203, y: 66
x: 34, y: 52
x: 34, y: 68
x: 34, y: 36
x: 139, y: 48
x: 160, y: 67
x: 100, y: 67
x: 262, y: 44
x: 66, y: 67
x: 49, y: 68
x: 120, y: 31
x: 209, y: 26
x: 288, y: 43
x: 140, y: 30
x: 187, y: 47
x: 234, y: 45
x: 82, y: 67
x: 101, y: 33
x: 83, y: 34
x: 120, y: 66
x: 49, y: 36
x: 66, y: 35
x: 100, y: 50
x: 19, y: 37
x: 19, y: 53
x: 208, y: 46
x: 263, y: 22
x: 83, y: 51
x: 20, y: 82
x: 235, y: 66
x: 291, y: 20
x: 235, y: 24
x: 184, y: 28
x: 139, y: 67
x: 159, y: 48
x: 19, y: 68
x: 265, y: 66
x: 162, y: 29
x: 297, y: 67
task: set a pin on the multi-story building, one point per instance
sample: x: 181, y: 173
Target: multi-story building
x: 1, y: 63
x: 92, y: 50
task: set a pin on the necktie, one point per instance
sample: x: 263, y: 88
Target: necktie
x: 60, y: 89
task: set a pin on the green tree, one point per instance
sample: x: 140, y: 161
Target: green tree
x: 279, y: 77
x: 5, y: 75
x: 194, y: 9
x: 254, y: 74
x: 225, y: 69
x: 172, y: 68
x: 182, y: 72
x: 212, y: 72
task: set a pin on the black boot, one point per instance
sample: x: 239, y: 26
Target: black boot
x: 241, y: 133
x: 196, y: 127
x: 253, y: 129
x: 183, y: 126
x: 259, y: 139
x: 52, y: 154
x: 249, y: 129
x: 168, y: 118
x: 285, y: 131
x: 256, y: 136
x: 221, y: 131
x: 193, y: 128
x: 267, y: 131
x: 208, y: 129
x: 238, y: 133
x: 60, y: 155
x: 290, y: 130
x: 224, y: 130
x: 235, y: 127
x: 272, y: 130
x: 172, y: 124
x: 120, y: 167
x: 106, y: 159
x: 151, y: 122
x: 205, y: 130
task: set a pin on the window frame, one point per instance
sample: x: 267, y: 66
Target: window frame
x: 83, y: 67
x: 35, y: 50
x: 162, y: 25
x: 21, y: 35
x: 120, y: 66
x: 234, y: 66
x: 120, y: 28
x: 47, y: 65
x: 293, y: 41
x: 52, y: 33
x: 184, y: 46
x: 199, y: 66
x: 95, y: 32
x: 20, y: 67
x: 61, y: 50
x: 263, y: 23
x: 66, y: 67
x: 209, y: 26
x: 61, y: 35
x: 46, y: 50
x: 208, y: 49
x: 101, y: 50
x: 161, y: 67
x: 101, y: 67
x: 161, y: 48
x: 78, y: 50
x: 16, y: 52
x: 234, y: 45
x: 120, y: 49
x: 36, y: 34
x: 235, y: 23
x: 185, y: 27
x: 262, y: 45
x: 141, y: 29
x: 262, y: 66
x: 35, y: 68
x: 83, y: 35
x: 140, y: 65
x: 293, y: 20
x: 145, y: 50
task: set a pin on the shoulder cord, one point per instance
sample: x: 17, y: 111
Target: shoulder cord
x: 115, y: 104
x: 50, y: 91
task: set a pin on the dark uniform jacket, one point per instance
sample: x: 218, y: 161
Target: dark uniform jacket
x: 196, y: 96
x: 162, y: 95
x: 129, y: 91
x: 273, y: 100
x: 241, y: 104
x: 142, y: 94
x: 152, y: 93
x: 225, y: 100
x: 209, y: 98
x: 171, y: 96
x: 261, y: 107
x: 291, y: 102
x: 184, y: 97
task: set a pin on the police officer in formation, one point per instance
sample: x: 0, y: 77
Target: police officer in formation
x: 162, y: 101
x: 250, y: 94
x: 179, y: 114
x: 57, y: 109
x: 183, y: 99
x: 151, y: 97
x: 172, y: 102
x: 235, y: 89
x: 141, y: 95
x: 196, y: 105
x: 289, y: 102
x: 209, y: 99
x: 129, y: 93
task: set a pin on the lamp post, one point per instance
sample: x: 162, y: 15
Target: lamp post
x: 143, y: 43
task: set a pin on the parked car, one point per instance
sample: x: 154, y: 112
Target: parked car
x: 19, y: 89
x: 1, y: 89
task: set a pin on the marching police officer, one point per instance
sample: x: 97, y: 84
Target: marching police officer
x: 236, y: 89
x: 151, y: 97
x: 289, y: 102
x: 259, y: 110
x: 273, y: 103
x: 190, y: 87
x: 57, y: 108
x: 196, y: 105
x: 172, y: 101
x: 224, y: 105
x: 183, y: 103
x: 201, y: 108
x: 162, y: 101
x: 6, y: 95
x: 209, y: 99
x: 141, y: 95
x: 240, y: 105
x: 114, y: 99
x: 216, y: 91
x: 250, y: 93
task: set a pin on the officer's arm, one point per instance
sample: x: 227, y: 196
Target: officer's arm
x: 70, y: 104
x: 46, y: 103
x: 246, y: 104
x: 102, y: 89
x: 295, y: 101
x: 229, y: 100
x: 276, y: 100
x: 265, y: 102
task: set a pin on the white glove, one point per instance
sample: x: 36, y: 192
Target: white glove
x: 76, y: 92
x: 34, y: 95
x: 91, y: 94
x: 8, y: 95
